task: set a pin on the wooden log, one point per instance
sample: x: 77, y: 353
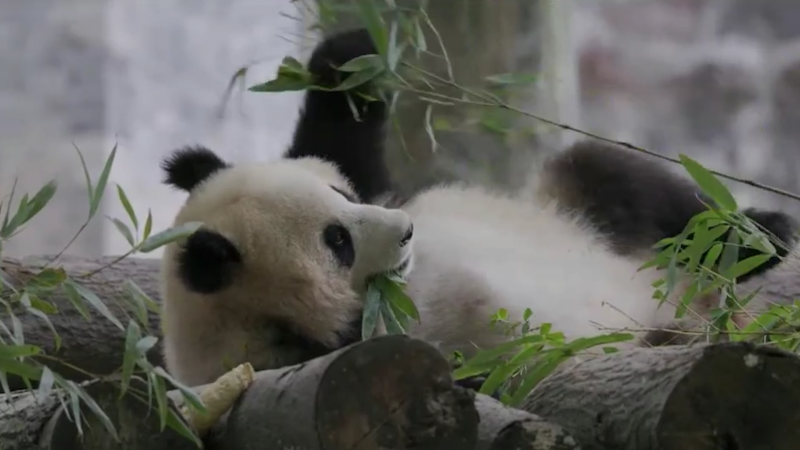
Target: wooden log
x: 96, y: 346
x: 730, y: 395
x: 502, y: 427
x: 391, y: 392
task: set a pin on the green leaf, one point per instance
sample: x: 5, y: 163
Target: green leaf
x: 511, y: 78
x: 7, y: 217
x: 16, y: 325
x: 27, y: 209
x: 128, y: 208
x: 137, y: 305
x: 75, y: 404
x: 48, y: 278
x: 356, y: 79
x: 497, y: 377
x: 41, y: 199
x: 135, y: 290
x: 145, y: 344
x: 672, y: 275
x: 22, y: 369
x: 730, y: 254
x: 86, y: 175
x: 421, y: 43
x: 713, y: 255
x: 395, y: 51
x: 527, y: 354
x: 77, y: 301
x: 130, y: 355
x: 429, y: 127
x: 123, y: 230
x: 709, y: 183
x: 291, y: 67
x: 535, y: 375
x: 169, y: 235
x: 373, y: 22
x: 745, y: 266
x: 161, y: 398
x: 393, y: 326
x: 474, y: 369
x: 148, y: 225
x: 703, y: 239
x: 398, y: 314
x: 392, y: 291
x: 500, y: 350
x: 589, y: 342
x: 372, y: 307
x: 16, y: 351
x: 34, y: 306
x: 100, y: 188
x: 46, y: 381
x: 281, y: 84
x: 178, y: 423
x: 95, y: 301
x: 188, y: 394
x: 95, y: 408
x: 362, y: 62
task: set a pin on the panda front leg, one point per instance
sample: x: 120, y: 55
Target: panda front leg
x: 346, y: 128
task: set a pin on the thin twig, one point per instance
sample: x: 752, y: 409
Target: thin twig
x: 493, y: 101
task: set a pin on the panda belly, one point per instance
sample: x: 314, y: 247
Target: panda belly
x: 476, y: 253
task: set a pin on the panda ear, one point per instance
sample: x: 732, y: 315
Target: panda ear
x: 208, y: 262
x: 188, y: 166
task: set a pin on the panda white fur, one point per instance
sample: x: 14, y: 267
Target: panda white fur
x: 277, y: 272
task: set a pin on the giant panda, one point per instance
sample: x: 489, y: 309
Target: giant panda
x: 276, y: 274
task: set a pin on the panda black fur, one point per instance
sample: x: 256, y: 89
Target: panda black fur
x: 276, y: 274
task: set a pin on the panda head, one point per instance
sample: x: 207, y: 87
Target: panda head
x: 285, y: 246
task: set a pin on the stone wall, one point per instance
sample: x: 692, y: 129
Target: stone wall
x: 149, y: 75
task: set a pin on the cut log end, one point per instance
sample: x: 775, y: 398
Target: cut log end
x: 372, y: 399
x: 388, y: 392
x: 735, y: 397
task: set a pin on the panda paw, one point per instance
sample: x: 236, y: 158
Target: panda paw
x: 337, y: 50
x: 782, y: 226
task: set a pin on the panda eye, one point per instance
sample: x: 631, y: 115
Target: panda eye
x: 337, y: 238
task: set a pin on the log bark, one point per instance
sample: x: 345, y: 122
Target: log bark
x: 731, y: 396
x: 391, y: 392
x: 502, y: 427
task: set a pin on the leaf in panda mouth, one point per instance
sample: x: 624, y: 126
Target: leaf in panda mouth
x: 391, y: 291
x: 372, y: 308
x: 386, y: 299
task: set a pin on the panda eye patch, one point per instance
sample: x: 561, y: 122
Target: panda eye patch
x: 337, y: 238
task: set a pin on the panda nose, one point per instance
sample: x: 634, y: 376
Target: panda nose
x: 407, y: 237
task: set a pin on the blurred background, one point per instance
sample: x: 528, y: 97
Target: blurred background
x: 718, y: 80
